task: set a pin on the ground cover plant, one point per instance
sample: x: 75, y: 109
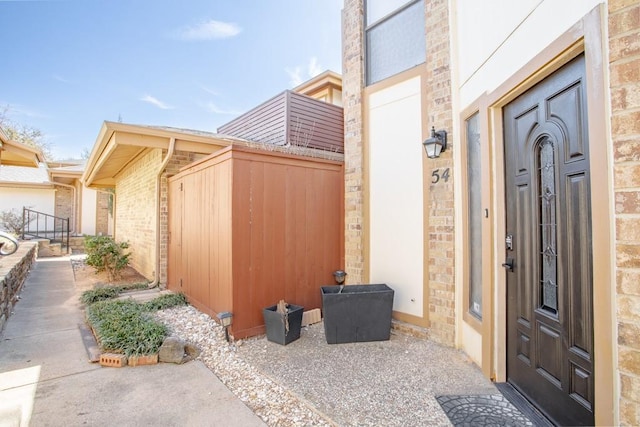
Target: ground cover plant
x: 127, y: 327
x: 102, y: 293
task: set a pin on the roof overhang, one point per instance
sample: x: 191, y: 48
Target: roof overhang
x: 327, y: 79
x: 65, y: 176
x: 119, y: 144
x: 13, y: 153
x: 33, y: 185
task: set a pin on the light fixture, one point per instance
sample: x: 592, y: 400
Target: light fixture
x: 225, y: 318
x: 339, y: 275
x: 436, y: 144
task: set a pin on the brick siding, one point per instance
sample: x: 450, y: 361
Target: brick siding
x: 102, y: 213
x: 352, y: 88
x: 136, y: 211
x: 440, y: 204
x: 64, y: 206
x: 624, y: 67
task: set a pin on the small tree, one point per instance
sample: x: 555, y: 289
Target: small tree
x: 11, y: 221
x: 105, y: 254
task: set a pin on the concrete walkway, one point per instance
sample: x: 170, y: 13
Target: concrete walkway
x: 47, y: 380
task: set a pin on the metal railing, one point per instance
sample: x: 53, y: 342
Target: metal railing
x: 41, y: 225
x: 8, y: 244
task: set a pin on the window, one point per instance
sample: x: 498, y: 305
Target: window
x: 394, y: 37
x: 474, y: 215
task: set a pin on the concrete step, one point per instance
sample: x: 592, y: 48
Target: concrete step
x: 48, y: 249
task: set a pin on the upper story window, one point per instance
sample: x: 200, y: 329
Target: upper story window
x: 394, y: 37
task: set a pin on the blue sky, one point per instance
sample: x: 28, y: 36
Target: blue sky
x: 69, y: 65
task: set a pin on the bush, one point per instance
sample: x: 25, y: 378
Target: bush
x: 105, y: 254
x: 124, y: 326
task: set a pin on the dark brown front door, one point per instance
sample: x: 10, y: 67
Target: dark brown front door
x: 548, y: 249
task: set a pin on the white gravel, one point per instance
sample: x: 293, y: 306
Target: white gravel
x: 312, y: 383
x: 270, y: 401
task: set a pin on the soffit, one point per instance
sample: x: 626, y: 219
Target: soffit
x: 119, y: 144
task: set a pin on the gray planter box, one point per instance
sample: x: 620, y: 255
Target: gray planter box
x: 358, y: 313
x: 275, y: 325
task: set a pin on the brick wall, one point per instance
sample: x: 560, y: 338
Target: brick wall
x: 352, y: 87
x: 102, y: 213
x: 64, y: 205
x: 440, y: 203
x: 136, y: 211
x: 624, y: 67
x: 440, y: 207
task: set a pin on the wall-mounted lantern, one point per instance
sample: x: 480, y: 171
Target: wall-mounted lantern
x: 436, y: 144
x: 225, y: 318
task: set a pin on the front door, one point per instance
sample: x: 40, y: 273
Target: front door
x: 548, y: 247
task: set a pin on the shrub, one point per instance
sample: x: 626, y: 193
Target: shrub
x: 165, y: 301
x: 11, y: 221
x: 105, y: 254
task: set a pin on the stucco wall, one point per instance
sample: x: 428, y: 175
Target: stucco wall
x: 89, y: 208
x: 396, y: 202
x: 513, y: 32
x: 39, y: 199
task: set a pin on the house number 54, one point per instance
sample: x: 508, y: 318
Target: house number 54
x: 436, y: 176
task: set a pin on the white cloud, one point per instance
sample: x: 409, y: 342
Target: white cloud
x: 294, y: 75
x: 314, y: 68
x: 155, y: 101
x: 60, y: 78
x: 297, y: 76
x: 208, y: 30
x: 9, y: 110
x: 209, y: 91
x: 213, y: 108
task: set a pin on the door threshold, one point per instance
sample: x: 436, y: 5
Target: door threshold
x: 523, y: 405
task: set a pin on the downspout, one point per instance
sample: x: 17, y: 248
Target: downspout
x: 74, y: 207
x: 165, y: 162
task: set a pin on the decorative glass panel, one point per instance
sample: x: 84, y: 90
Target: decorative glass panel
x: 396, y: 44
x: 378, y: 9
x: 547, y: 215
x: 474, y: 184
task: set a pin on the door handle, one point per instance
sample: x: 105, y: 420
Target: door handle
x: 508, y: 264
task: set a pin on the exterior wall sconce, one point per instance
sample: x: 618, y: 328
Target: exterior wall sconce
x: 436, y: 144
x: 225, y: 318
x: 339, y: 275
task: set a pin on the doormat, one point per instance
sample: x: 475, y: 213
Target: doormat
x: 482, y: 410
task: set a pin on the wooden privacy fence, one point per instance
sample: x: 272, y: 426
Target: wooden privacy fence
x: 250, y: 227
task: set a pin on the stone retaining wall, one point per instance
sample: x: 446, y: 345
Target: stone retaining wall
x: 13, y: 272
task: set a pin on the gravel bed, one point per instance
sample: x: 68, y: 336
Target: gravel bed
x: 310, y: 382
x: 270, y: 401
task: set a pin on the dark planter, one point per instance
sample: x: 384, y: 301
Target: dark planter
x: 275, y: 324
x: 357, y: 313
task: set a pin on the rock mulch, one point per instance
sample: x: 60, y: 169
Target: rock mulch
x: 276, y: 405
